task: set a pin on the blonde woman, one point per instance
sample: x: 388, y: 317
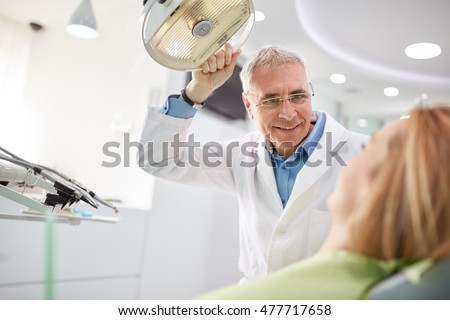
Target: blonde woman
x: 390, y: 208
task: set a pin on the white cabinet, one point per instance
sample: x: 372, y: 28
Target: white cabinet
x: 91, y: 261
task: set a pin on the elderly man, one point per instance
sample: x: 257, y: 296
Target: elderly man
x: 281, y: 174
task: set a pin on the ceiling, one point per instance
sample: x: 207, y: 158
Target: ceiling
x: 365, y: 40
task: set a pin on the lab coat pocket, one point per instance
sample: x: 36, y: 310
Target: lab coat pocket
x: 319, y: 226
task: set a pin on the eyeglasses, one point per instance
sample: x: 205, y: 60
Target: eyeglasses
x: 296, y: 100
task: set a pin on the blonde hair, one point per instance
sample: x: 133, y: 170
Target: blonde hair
x: 407, y: 213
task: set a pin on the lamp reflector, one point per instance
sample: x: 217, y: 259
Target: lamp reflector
x: 185, y: 33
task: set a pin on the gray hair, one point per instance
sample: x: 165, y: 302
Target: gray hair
x: 270, y: 57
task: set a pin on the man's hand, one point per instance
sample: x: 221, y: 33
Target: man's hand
x: 215, y: 71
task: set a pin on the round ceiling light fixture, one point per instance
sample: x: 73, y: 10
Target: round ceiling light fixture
x: 338, y: 78
x: 423, y: 50
x: 391, y: 92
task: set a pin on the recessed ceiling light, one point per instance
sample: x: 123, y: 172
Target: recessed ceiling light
x: 259, y: 16
x: 391, y: 91
x: 423, y: 50
x: 338, y: 78
x: 362, y: 123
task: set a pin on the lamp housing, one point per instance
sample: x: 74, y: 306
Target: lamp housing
x: 182, y: 34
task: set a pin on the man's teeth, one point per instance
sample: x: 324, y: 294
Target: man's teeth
x: 287, y: 128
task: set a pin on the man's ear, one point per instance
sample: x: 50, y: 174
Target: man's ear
x: 247, y: 105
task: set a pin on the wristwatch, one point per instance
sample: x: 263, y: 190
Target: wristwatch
x: 189, y: 101
x: 186, y: 98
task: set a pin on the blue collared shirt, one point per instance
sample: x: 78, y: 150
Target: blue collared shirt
x: 286, y: 170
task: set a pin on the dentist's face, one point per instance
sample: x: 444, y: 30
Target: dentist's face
x: 288, y: 124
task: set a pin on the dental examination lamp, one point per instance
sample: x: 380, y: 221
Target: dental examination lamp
x: 61, y: 192
x: 182, y: 34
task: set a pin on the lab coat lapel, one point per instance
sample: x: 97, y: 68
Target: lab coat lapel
x: 308, y: 175
x: 265, y: 169
x: 317, y: 165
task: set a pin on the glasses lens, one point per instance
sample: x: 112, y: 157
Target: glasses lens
x: 298, y: 98
x: 271, y: 103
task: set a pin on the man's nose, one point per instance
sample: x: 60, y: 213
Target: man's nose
x: 286, y: 110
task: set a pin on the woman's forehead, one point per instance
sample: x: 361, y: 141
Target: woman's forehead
x: 384, y: 135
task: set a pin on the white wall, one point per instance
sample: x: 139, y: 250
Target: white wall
x: 321, y: 101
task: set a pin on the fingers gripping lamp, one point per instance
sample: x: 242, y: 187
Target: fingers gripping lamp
x: 182, y: 34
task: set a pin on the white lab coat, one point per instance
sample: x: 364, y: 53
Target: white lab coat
x: 271, y: 236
